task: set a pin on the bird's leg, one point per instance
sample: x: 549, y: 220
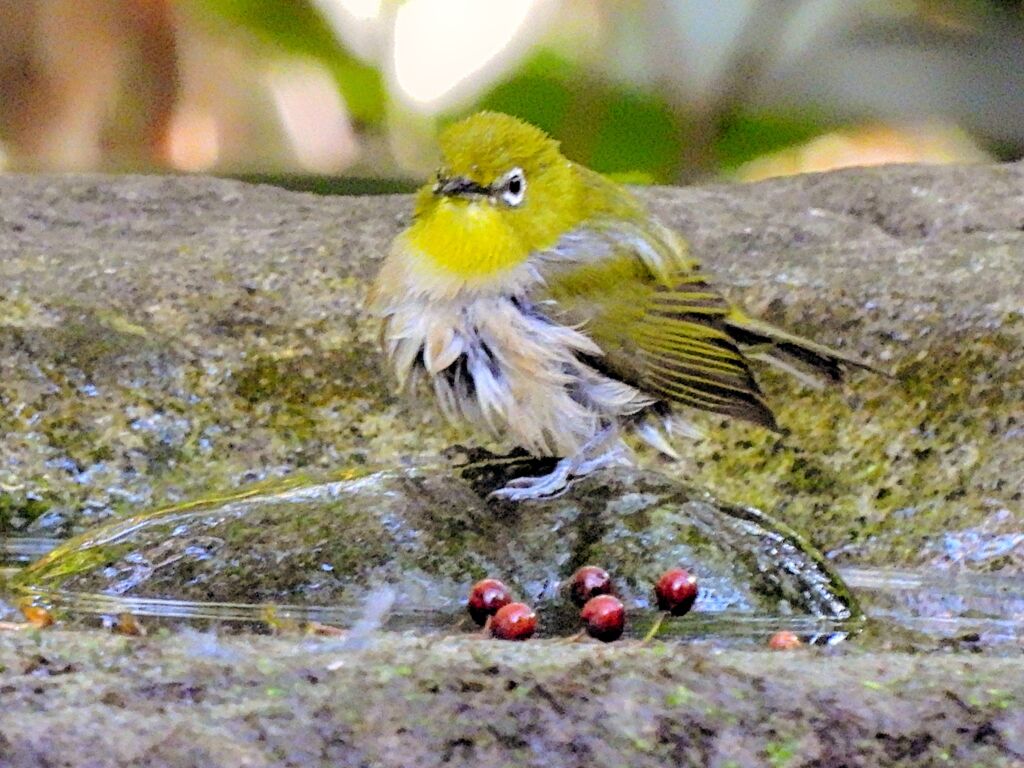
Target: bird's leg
x: 602, y: 450
x: 610, y: 455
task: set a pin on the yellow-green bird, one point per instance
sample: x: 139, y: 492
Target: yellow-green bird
x: 546, y: 303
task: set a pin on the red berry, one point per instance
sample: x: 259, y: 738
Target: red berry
x: 676, y: 591
x: 604, y: 617
x: 588, y: 582
x: 784, y: 640
x: 486, y: 597
x: 515, y: 621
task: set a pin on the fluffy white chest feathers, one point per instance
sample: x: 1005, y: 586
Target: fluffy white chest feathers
x: 496, y: 361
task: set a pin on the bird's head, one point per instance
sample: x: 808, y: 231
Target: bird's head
x: 502, y: 193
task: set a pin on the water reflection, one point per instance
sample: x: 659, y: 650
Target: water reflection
x: 927, y: 608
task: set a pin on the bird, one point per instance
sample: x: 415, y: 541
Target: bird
x: 547, y: 305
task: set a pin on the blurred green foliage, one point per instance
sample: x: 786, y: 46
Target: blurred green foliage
x: 746, y: 135
x: 635, y: 134
x: 641, y: 134
x: 627, y: 132
x: 632, y: 133
x: 296, y: 27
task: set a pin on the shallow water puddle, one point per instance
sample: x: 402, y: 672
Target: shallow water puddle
x: 978, y: 607
x: 986, y: 610
x: 725, y: 628
x: 18, y: 551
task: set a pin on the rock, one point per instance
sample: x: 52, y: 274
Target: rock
x: 196, y: 698
x: 430, y: 533
x: 165, y: 338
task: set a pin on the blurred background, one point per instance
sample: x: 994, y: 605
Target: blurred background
x: 348, y: 95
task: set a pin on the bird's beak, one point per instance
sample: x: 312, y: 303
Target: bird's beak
x: 459, y: 186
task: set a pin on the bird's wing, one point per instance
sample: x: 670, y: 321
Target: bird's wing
x: 660, y: 325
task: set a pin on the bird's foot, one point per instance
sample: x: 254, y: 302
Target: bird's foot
x: 558, y: 480
x: 543, y: 487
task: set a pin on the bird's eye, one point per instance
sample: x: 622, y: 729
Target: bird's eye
x: 513, y: 189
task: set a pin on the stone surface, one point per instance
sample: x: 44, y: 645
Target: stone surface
x: 168, y: 338
x: 196, y: 699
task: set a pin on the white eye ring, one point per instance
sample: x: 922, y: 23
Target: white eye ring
x: 513, y: 187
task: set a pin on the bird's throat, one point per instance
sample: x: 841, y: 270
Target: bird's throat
x: 468, y: 240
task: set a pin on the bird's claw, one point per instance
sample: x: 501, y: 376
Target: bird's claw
x: 556, y: 482
x: 532, y: 488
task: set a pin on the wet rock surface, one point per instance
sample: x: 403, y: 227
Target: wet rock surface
x: 163, y: 339
x: 89, y: 698
x: 428, y: 534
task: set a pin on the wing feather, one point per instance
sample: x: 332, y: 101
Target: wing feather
x: 660, y: 325
x: 628, y: 283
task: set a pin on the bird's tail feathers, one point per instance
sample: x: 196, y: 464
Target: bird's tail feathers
x: 812, y: 363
